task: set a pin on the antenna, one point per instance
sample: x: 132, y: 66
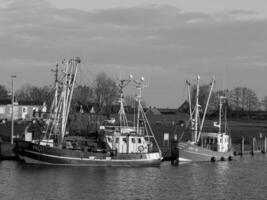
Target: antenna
x: 122, y: 84
x: 139, y: 85
x: 56, y: 73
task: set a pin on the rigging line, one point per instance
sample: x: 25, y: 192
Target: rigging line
x: 85, y: 79
x: 184, y: 93
x: 80, y: 79
x: 83, y: 76
x: 90, y: 74
x: 142, y: 110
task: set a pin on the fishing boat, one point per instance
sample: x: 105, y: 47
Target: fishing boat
x: 121, y: 145
x: 205, y: 146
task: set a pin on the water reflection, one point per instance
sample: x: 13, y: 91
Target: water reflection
x: 240, y: 179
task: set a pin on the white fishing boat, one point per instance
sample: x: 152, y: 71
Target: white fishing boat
x: 205, y: 146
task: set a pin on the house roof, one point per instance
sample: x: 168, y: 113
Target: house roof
x: 31, y: 103
x: 167, y: 110
x: 154, y: 111
x: 26, y: 103
x: 5, y: 101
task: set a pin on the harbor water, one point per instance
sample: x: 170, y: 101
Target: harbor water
x: 243, y: 178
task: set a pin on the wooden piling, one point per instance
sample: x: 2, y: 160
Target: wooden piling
x: 264, y: 150
x: 253, y: 145
x: 1, y: 156
x: 174, y: 152
x: 242, y: 148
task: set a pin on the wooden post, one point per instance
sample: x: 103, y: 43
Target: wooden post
x: 174, y: 152
x: 264, y: 145
x: 1, y: 151
x: 242, y: 148
x: 253, y: 145
x: 12, y: 110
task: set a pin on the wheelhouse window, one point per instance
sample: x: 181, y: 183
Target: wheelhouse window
x: 139, y: 141
x: 133, y: 140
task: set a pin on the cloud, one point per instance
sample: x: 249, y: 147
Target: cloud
x: 162, y: 41
x: 243, y: 12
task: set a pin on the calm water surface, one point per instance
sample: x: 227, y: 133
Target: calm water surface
x: 240, y: 179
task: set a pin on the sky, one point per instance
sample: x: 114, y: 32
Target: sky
x: 166, y: 41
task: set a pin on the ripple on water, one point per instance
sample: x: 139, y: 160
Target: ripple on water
x: 240, y: 179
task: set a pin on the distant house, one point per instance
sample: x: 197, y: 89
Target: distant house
x: 153, y: 111
x: 91, y: 108
x: 184, y: 108
x: 22, y: 109
x: 168, y: 111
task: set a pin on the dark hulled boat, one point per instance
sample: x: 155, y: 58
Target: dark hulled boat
x: 115, y: 145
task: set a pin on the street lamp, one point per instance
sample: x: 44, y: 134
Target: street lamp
x: 12, y: 109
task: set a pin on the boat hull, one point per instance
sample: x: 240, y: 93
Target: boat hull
x: 193, y: 153
x: 33, y: 153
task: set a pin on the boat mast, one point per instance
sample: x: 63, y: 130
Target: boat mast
x: 122, y: 84
x: 139, y: 87
x: 147, y: 126
x: 12, y: 109
x: 220, y: 116
x: 70, y: 77
x: 190, y: 107
x: 196, y: 112
x: 56, y: 84
x: 189, y: 98
x: 220, y: 113
x: 206, y: 108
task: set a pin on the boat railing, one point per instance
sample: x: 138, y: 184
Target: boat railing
x: 124, y: 129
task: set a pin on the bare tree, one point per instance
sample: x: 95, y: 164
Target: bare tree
x: 83, y: 94
x: 242, y: 98
x: 106, y: 92
x: 264, y: 102
x: 130, y: 100
x: 32, y: 93
x: 3, y: 92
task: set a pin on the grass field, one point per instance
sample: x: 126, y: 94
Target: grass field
x: 161, y: 125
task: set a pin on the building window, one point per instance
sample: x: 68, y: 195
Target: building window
x: 166, y: 139
x: 117, y: 140
x: 2, y: 110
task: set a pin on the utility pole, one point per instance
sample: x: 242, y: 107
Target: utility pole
x: 12, y: 113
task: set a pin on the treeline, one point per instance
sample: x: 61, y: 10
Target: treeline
x: 237, y: 99
x: 104, y: 92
